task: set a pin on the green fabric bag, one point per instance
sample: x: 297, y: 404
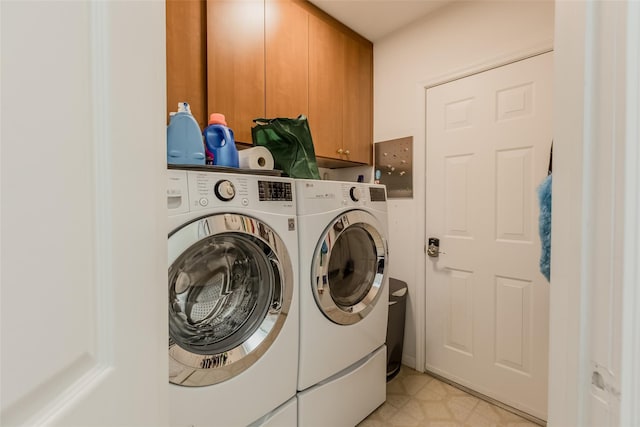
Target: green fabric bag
x: 290, y: 143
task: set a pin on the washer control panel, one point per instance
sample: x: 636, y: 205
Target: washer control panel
x: 275, y: 191
x: 209, y: 190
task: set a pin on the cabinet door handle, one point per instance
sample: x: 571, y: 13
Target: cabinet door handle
x: 347, y: 152
x: 339, y: 151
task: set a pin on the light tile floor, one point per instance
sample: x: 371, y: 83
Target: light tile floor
x: 416, y: 399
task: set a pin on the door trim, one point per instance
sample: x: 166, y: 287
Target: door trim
x: 630, y: 387
x: 495, y: 62
x: 592, y: 94
x: 420, y: 302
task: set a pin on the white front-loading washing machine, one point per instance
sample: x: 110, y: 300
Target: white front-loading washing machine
x: 233, y: 299
x: 343, y: 301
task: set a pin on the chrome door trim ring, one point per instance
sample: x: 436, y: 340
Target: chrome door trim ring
x: 319, y: 271
x: 190, y: 369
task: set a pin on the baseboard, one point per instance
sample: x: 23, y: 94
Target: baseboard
x: 410, y: 361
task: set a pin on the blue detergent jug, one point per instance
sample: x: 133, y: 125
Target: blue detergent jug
x: 184, y: 141
x: 219, y: 142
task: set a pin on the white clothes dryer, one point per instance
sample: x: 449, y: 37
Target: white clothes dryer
x: 343, y: 300
x: 233, y: 297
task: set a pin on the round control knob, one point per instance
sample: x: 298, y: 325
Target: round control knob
x: 354, y: 193
x: 225, y: 190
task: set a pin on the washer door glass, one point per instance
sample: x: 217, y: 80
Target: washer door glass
x: 349, y: 267
x: 230, y: 287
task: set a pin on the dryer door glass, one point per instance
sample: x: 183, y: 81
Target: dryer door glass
x: 230, y: 288
x: 352, y: 266
x: 349, y: 267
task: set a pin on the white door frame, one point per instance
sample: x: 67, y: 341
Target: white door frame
x: 596, y: 110
x: 575, y: 34
x: 420, y: 309
x: 630, y: 390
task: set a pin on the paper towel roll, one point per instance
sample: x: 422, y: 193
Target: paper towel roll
x: 256, y: 158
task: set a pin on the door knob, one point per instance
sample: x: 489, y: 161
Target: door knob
x: 347, y: 152
x: 339, y: 151
x: 433, y: 247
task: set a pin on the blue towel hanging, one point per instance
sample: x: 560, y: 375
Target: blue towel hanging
x: 544, y: 198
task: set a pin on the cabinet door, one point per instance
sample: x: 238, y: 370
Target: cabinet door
x: 326, y: 85
x: 357, y: 142
x: 186, y: 57
x: 235, y: 62
x: 287, y: 59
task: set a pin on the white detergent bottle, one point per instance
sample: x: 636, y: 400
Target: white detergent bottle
x: 184, y: 138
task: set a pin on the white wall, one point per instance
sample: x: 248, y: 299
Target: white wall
x: 348, y: 174
x: 452, y: 40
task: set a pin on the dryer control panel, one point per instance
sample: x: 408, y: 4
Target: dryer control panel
x: 358, y: 194
x: 316, y: 196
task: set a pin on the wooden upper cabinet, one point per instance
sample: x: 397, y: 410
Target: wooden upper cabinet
x: 235, y: 63
x: 326, y: 87
x: 286, y: 59
x: 249, y: 59
x: 186, y: 57
x: 340, y: 92
x: 357, y: 127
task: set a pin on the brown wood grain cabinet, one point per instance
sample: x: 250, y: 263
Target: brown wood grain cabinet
x: 326, y: 86
x: 286, y: 59
x: 186, y: 57
x: 357, y: 102
x: 235, y: 63
x: 273, y: 58
x: 257, y: 61
x: 340, y: 93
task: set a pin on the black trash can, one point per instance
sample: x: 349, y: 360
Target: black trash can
x: 395, y: 327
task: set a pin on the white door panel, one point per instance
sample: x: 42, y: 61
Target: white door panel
x: 83, y: 314
x: 488, y: 141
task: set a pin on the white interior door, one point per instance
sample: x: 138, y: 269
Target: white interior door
x: 83, y: 236
x: 488, y: 142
